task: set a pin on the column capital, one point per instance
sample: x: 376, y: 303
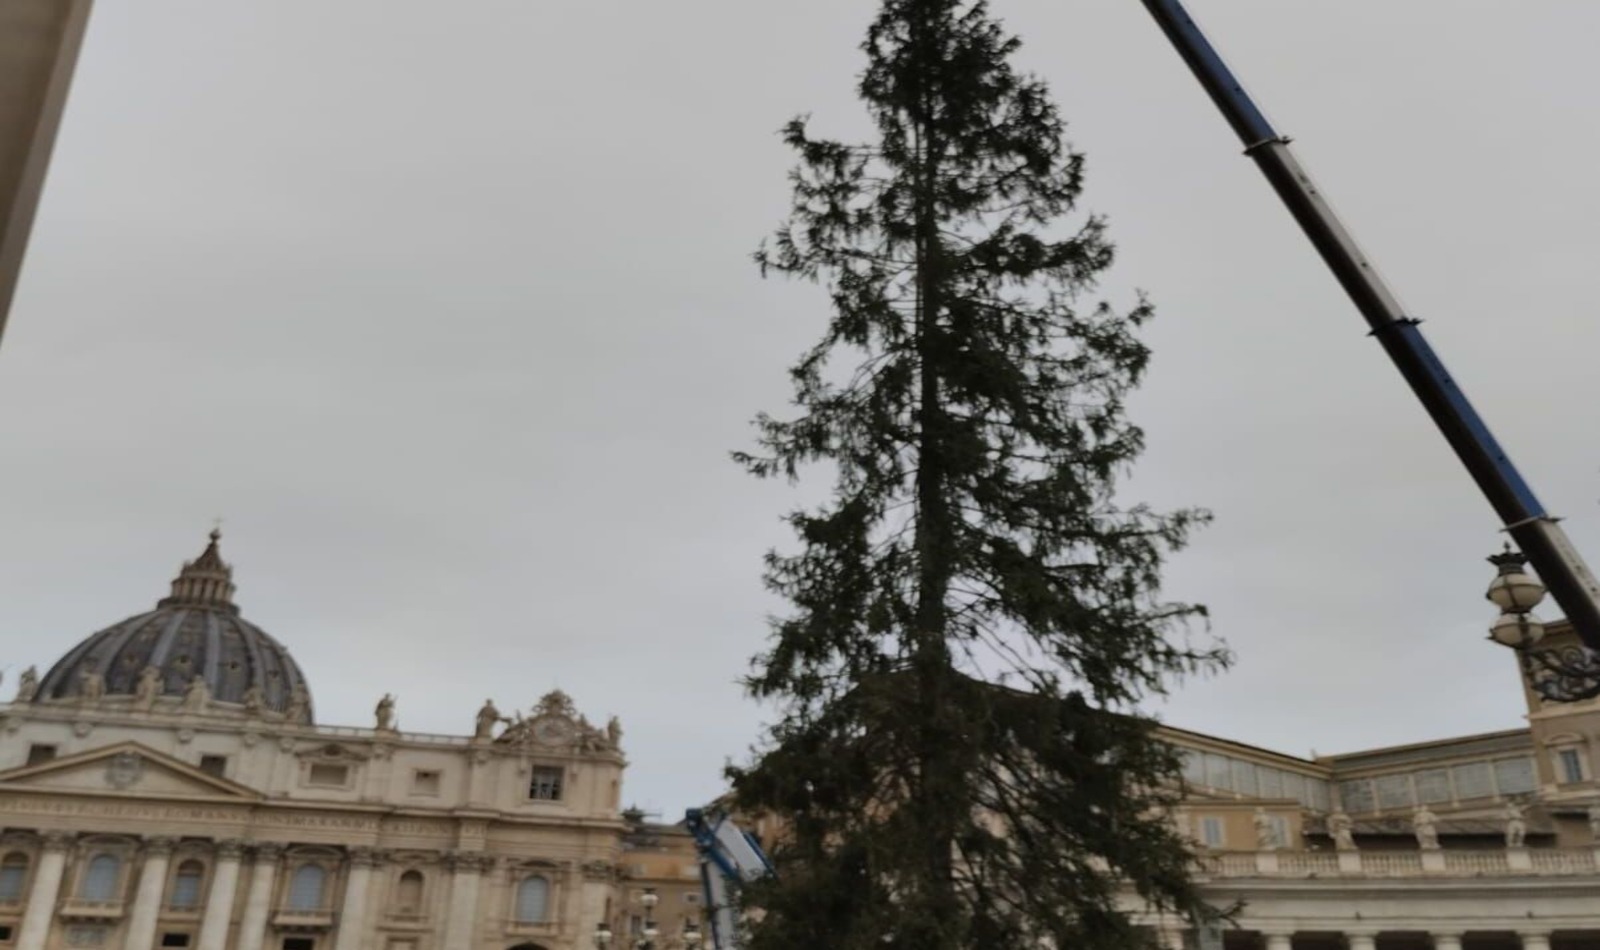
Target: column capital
x: 266, y: 852
x: 362, y: 856
x: 230, y: 849
x: 159, y: 845
x: 58, y: 840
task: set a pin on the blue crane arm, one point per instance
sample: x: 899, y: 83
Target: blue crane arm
x: 729, y: 858
x: 1538, y: 534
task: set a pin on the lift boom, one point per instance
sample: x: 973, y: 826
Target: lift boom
x: 1534, y: 529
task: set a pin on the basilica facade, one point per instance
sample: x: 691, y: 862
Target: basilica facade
x: 166, y: 784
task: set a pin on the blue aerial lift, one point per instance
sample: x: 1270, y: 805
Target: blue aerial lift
x: 730, y: 858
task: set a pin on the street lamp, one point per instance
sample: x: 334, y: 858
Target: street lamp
x: 649, y: 932
x: 1566, y: 674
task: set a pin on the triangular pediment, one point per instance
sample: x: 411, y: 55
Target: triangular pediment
x: 124, y: 769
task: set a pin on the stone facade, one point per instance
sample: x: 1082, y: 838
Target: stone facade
x: 169, y: 818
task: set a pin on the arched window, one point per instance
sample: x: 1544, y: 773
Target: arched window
x: 533, y: 900
x: 408, y: 892
x: 13, y: 876
x: 100, y: 878
x: 305, y: 887
x: 186, y: 885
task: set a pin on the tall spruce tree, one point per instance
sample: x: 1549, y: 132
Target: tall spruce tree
x: 960, y: 757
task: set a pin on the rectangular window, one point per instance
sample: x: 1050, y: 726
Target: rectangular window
x: 5, y: 933
x: 1433, y: 785
x: 1211, y: 832
x: 38, y: 753
x: 1514, y: 776
x: 1356, y: 796
x: 1280, y: 831
x: 299, y: 943
x: 546, y: 784
x: 1219, y: 771
x: 1271, y: 782
x: 425, y: 782
x: 1472, y: 781
x: 1571, y: 766
x: 1244, y: 779
x: 321, y: 773
x: 214, y: 765
x: 174, y: 940
x: 1394, y: 791
x: 1194, y: 767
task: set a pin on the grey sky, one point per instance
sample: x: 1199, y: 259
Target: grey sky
x: 447, y: 309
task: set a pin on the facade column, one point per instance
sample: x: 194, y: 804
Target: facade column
x: 466, y: 875
x: 219, y: 902
x: 1366, y: 941
x: 258, y: 901
x: 1535, y: 940
x: 147, y: 899
x: 45, y: 888
x: 1447, y: 941
x: 353, y: 912
x: 1279, y: 940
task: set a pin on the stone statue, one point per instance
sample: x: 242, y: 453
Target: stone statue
x: 614, y: 732
x: 198, y: 696
x: 147, y: 688
x: 1516, y: 825
x: 299, y: 704
x: 254, y: 701
x: 488, y: 717
x: 1340, y: 829
x: 1594, y: 822
x: 1426, y: 825
x: 28, y: 685
x: 1266, y: 834
x: 91, y: 687
x: 385, y: 713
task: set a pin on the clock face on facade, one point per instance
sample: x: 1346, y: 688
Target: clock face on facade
x: 552, y: 730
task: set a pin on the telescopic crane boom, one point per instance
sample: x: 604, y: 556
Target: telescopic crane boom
x: 1534, y: 529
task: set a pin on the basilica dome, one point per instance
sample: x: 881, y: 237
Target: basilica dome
x: 194, y: 632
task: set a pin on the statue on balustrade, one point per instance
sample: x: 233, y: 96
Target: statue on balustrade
x: 1341, y: 829
x: 299, y: 704
x: 385, y: 713
x: 254, y: 701
x: 1516, y: 825
x: 148, y: 688
x: 28, y: 685
x: 488, y: 717
x: 91, y: 687
x: 1266, y: 834
x: 198, y: 696
x: 1426, y: 825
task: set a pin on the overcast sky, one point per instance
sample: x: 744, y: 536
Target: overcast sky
x: 447, y: 310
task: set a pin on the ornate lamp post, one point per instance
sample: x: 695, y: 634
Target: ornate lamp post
x: 649, y: 933
x: 1565, y: 674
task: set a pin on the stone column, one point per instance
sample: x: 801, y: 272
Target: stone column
x: 1366, y: 941
x: 258, y: 900
x: 147, y: 899
x: 1279, y: 940
x: 46, y: 887
x: 1535, y: 940
x: 465, y: 877
x: 219, y: 902
x: 1447, y: 941
x: 353, y: 912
